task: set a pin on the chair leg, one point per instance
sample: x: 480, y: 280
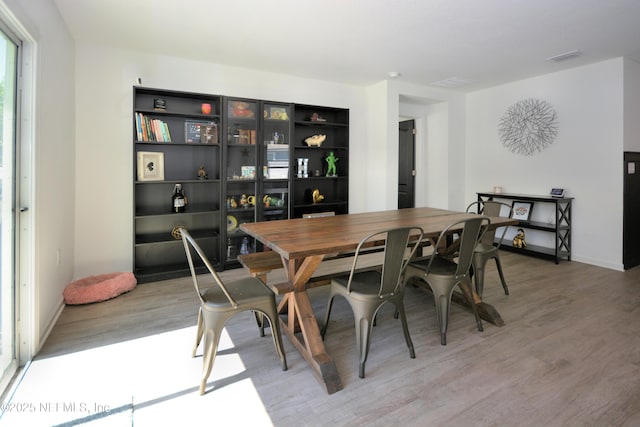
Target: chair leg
x: 467, y: 289
x: 211, y: 340
x: 326, y: 317
x: 364, y: 325
x: 199, y: 332
x: 405, y: 328
x: 479, y: 267
x: 504, y: 283
x: 274, y: 321
x: 442, y: 312
x: 260, y: 321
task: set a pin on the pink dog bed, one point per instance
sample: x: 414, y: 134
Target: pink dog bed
x: 98, y: 288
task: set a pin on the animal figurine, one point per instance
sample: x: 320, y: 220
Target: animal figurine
x: 315, y: 140
x: 317, y: 197
x: 518, y: 240
x: 202, y: 173
x: 244, y: 202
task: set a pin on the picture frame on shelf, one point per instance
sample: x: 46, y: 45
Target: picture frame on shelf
x: 209, y: 134
x: 248, y: 172
x: 150, y: 166
x: 194, y: 129
x: 277, y: 113
x: 522, y: 211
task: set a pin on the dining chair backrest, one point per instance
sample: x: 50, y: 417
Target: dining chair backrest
x: 472, y: 230
x: 491, y: 208
x: 191, y: 247
x: 399, y: 245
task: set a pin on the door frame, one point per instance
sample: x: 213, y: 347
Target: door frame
x: 25, y: 312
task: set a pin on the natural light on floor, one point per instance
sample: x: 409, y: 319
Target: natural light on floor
x: 151, y: 381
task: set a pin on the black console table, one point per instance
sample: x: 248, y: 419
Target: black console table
x: 561, y: 228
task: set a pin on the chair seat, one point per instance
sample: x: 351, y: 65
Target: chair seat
x: 247, y: 290
x: 439, y: 267
x: 485, y: 248
x: 363, y: 285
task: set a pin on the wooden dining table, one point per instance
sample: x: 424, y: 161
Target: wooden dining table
x: 303, y: 244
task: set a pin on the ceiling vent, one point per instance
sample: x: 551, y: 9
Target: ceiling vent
x: 565, y: 56
x: 452, y: 82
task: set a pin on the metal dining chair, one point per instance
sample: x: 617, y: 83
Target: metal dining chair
x: 442, y: 273
x: 367, y: 291
x: 488, y: 246
x: 221, y: 301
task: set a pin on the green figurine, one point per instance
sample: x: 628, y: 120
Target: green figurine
x: 331, y: 163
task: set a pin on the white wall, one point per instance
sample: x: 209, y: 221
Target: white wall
x: 631, y: 105
x: 104, y: 98
x: 585, y: 159
x: 53, y: 156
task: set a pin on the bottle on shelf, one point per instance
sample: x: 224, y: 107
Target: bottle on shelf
x: 231, y: 250
x: 244, y: 247
x: 178, y: 199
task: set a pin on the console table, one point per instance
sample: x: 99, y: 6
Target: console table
x: 561, y: 228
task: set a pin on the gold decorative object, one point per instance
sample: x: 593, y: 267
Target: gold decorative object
x: 317, y: 197
x: 315, y: 140
x: 518, y: 240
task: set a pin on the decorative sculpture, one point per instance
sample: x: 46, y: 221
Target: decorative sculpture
x: 317, y: 197
x: 202, y: 173
x: 315, y: 140
x: 528, y: 126
x: 519, y: 239
x: 331, y: 164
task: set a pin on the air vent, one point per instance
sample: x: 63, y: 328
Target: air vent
x: 452, y: 82
x: 565, y: 56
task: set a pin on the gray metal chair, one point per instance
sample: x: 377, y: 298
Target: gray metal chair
x: 367, y: 291
x: 222, y: 301
x: 486, y: 249
x: 442, y: 274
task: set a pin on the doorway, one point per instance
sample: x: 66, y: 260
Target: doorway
x: 631, y: 211
x: 406, y: 164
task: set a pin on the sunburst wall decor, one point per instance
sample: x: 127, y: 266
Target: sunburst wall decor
x: 528, y: 126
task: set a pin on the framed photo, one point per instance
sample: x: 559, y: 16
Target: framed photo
x: 194, y: 130
x: 248, y: 172
x: 150, y: 166
x: 522, y: 210
x: 557, y: 192
x: 209, y: 134
x: 277, y: 113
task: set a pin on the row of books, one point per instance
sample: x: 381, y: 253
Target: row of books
x: 151, y: 130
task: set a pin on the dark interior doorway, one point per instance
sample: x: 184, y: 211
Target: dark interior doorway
x: 631, y: 211
x: 406, y: 164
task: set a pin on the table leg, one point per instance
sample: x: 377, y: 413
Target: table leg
x: 300, y: 318
x: 485, y: 311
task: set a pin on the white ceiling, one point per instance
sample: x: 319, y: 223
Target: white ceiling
x: 359, y: 42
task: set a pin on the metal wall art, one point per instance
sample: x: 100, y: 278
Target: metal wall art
x: 528, y: 126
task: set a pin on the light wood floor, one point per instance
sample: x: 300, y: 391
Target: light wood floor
x: 568, y: 355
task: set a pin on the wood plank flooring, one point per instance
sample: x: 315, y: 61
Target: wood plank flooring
x: 568, y: 355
